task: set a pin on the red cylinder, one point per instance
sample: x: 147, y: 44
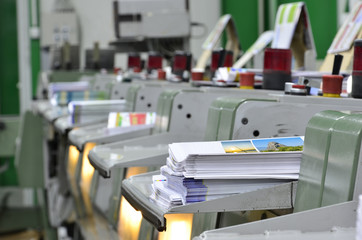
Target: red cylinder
x: 197, y: 75
x: 278, y: 59
x: 180, y: 62
x: 357, y: 70
x: 154, y: 61
x: 247, y: 80
x: 134, y: 60
x: 161, y: 74
x: 332, y: 85
x: 277, y: 68
x: 215, y: 58
x: 228, y: 59
x: 357, y: 57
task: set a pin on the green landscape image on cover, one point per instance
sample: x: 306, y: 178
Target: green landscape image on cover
x: 244, y: 146
x: 264, y: 145
x: 279, y: 144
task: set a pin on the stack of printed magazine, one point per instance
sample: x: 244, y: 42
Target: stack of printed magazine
x: 64, y: 97
x: 126, y: 119
x: 199, y: 171
x: 89, y: 111
x: 61, y: 93
x: 67, y: 86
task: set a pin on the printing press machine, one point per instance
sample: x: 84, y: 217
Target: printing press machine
x: 288, y: 115
x: 283, y: 129
x: 327, y: 203
x: 173, y: 107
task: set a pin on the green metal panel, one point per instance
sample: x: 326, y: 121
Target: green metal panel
x: 50, y: 233
x: 221, y: 118
x: 314, y: 160
x: 77, y: 191
x: 131, y: 96
x: 213, y: 120
x: 9, y: 94
x: 343, y: 160
x: 94, y: 186
x: 147, y: 231
x: 15, y: 219
x: 7, y: 150
x: 115, y: 199
x: 8, y: 135
x: 227, y: 117
x: 202, y: 222
x: 164, y: 110
x: 9, y: 177
x: 245, y: 15
x: 29, y: 158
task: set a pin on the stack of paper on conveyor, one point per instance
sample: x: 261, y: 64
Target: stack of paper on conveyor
x: 65, y: 97
x: 199, y: 171
x: 126, y: 119
x: 88, y: 111
x: 67, y: 86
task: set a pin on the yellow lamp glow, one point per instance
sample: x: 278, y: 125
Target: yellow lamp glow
x: 129, y: 219
x: 178, y: 227
x: 87, y: 168
x: 73, y: 155
x: 86, y: 177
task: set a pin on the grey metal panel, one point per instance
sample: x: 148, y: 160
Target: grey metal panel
x: 143, y: 151
x: 137, y: 190
x: 100, y: 134
x: 335, y: 233
x: 283, y: 118
x: 64, y: 125
x: 320, y: 219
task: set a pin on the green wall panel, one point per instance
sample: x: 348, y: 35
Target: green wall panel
x: 9, y: 94
x: 245, y: 15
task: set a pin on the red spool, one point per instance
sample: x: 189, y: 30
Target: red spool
x: 247, y: 80
x: 197, y: 75
x: 161, y: 74
x: 154, y: 61
x: 278, y: 59
x: 134, y: 61
x: 228, y: 60
x: 332, y: 85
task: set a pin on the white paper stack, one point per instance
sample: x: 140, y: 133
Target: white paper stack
x: 199, y: 171
x: 88, y: 111
x: 277, y: 158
